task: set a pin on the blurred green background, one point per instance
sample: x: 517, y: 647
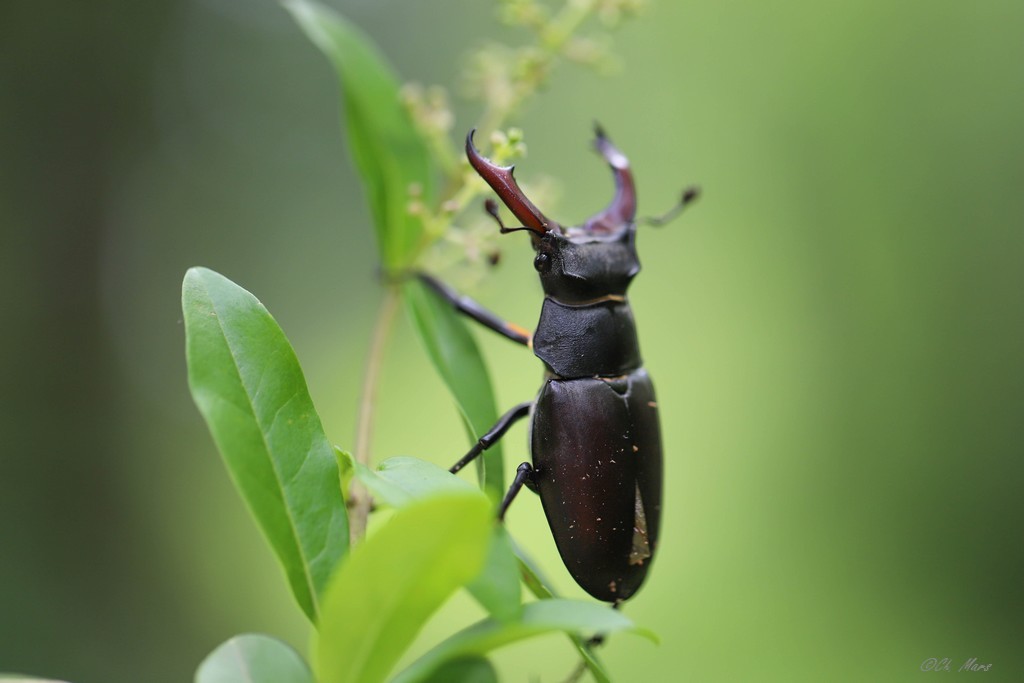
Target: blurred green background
x: 835, y: 330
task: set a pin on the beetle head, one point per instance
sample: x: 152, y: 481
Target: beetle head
x: 578, y: 263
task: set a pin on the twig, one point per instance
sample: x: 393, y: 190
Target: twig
x: 359, y: 498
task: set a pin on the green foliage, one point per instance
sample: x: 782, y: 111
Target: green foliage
x: 393, y: 161
x: 535, y: 582
x: 248, y: 385
x: 390, y: 156
x: 457, y: 358
x: 253, y: 658
x: 444, y: 536
x: 497, y: 587
x: 467, y: 670
x: 384, y: 593
x: 402, y: 480
x: 538, y: 618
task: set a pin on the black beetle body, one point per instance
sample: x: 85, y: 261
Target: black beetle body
x: 597, y: 462
x: 594, y: 434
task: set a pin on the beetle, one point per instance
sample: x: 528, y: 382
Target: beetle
x: 594, y: 431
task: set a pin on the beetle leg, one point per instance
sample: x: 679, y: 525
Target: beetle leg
x: 531, y: 483
x: 469, y: 307
x: 598, y: 639
x: 493, y: 434
x: 524, y: 473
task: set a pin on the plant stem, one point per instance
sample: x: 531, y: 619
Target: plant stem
x: 359, y: 498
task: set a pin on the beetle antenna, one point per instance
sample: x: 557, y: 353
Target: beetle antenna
x: 491, y: 207
x: 501, y: 180
x: 690, y: 194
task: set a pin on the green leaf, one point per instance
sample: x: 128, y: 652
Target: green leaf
x: 20, y: 678
x: 531, y: 574
x: 535, y: 581
x: 253, y: 658
x: 387, y: 151
x: 346, y: 467
x: 497, y: 587
x: 401, y: 480
x: 466, y: 670
x: 249, y: 387
x: 544, y: 616
x: 457, y: 358
x: 391, y: 584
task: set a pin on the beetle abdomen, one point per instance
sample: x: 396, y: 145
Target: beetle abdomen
x: 597, y: 455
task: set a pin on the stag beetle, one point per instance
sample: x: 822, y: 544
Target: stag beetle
x: 594, y: 434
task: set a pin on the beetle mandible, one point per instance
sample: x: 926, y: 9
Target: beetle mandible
x: 594, y: 432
